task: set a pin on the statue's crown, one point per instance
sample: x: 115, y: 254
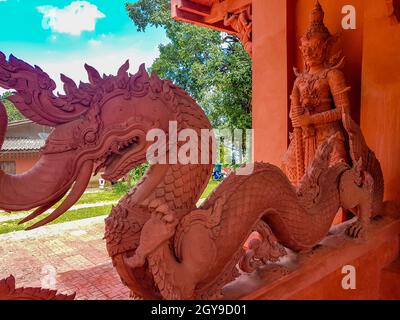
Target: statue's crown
x: 317, y: 27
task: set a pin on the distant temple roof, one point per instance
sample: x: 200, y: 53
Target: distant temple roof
x: 22, y: 144
x: 19, y: 123
x: 25, y: 136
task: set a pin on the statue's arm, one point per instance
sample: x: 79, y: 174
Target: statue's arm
x: 340, y: 93
x: 295, y: 106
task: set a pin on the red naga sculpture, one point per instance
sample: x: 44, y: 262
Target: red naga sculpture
x: 8, y: 291
x: 161, y: 243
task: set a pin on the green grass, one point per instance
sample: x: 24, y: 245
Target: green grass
x: 12, y: 225
x: 87, y: 198
x: 100, y: 196
x: 210, y: 187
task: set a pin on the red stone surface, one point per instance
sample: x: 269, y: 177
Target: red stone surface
x: 77, y: 253
x: 319, y: 275
x: 390, y: 283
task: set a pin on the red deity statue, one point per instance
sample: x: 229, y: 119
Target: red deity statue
x: 318, y: 101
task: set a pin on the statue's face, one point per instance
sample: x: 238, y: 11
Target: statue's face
x: 313, y: 51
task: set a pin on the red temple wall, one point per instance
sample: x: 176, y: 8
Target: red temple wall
x: 380, y: 113
x: 22, y: 165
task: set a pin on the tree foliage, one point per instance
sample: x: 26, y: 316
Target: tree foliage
x: 12, y: 112
x: 211, y: 66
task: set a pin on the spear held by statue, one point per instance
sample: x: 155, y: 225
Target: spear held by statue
x: 298, y: 110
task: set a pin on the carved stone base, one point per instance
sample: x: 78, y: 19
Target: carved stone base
x: 319, y: 274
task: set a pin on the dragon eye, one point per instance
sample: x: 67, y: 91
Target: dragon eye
x: 90, y: 137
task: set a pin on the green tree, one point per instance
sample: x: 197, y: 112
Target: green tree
x: 12, y: 112
x: 211, y: 66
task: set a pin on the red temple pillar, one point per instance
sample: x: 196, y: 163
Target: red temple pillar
x: 380, y: 112
x: 273, y: 60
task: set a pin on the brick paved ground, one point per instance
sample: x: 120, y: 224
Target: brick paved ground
x: 75, y: 250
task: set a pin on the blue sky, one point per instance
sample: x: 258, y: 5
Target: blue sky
x: 61, y: 35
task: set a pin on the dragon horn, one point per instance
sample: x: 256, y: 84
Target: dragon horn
x: 123, y: 69
x: 34, y: 96
x: 93, y: 74
x: 77, y: 190
x: 42, y: 209
x: 142, y: 71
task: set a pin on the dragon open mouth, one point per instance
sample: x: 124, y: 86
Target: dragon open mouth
x: 114, y: 160
x: 118, y: 150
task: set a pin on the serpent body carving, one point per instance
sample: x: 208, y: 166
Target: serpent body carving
x: 8, y: 291
x: 161, y: 244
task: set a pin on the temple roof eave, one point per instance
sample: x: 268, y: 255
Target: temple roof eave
x: 207, y: 13
x: 15, y: 144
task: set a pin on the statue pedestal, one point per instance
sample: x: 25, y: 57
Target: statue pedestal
x: 319, y: 274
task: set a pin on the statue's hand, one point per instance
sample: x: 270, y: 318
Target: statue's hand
x: 300, y: 121
x: 356, y: 230
x: 156, y: 231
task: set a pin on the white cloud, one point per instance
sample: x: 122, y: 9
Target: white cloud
x: 73, y: 19
x: 94, y: 43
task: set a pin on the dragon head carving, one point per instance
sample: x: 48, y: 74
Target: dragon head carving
x: 100, y: 125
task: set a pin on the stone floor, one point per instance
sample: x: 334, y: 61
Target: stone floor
x: 69, y: 257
